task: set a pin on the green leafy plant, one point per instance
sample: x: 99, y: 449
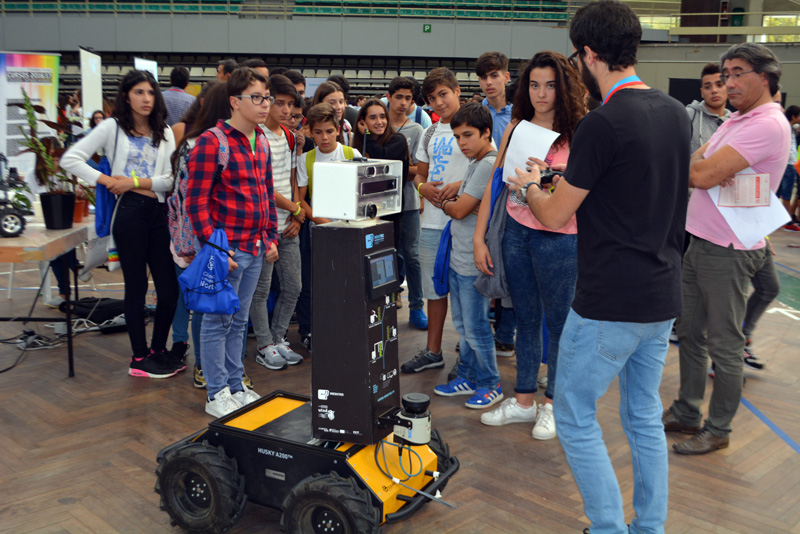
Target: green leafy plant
x: 20, y: 200
x: 48, y: 151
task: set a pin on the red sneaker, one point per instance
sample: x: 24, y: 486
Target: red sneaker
x: 791, y: 227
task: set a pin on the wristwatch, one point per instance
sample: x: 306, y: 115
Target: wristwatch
x: 522, y: 194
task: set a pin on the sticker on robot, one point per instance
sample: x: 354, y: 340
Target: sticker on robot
x: 327, y: 414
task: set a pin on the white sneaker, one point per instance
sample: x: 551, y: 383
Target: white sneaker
x: 509, y: 412
x: 291, y: 357
x: 223, y: 403
x: 542, y: 382
x: 270, y: 358
x: 246, y: 396
x: 545, y: 427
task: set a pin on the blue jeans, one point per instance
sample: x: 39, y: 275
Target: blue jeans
x: 541, y: 268
x: 303, y: 307
x: 506, y: 326
x: 787, y: 183
x: 408, y: 258
x: 592, y: 354
x: 221, y: 335
x: 180, y: 325
x: 470, y: 313
x: 507, y: 329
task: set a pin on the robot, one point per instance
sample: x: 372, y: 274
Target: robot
x: 348, y: 458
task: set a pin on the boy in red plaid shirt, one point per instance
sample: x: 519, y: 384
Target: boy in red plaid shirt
x: 241, y: 200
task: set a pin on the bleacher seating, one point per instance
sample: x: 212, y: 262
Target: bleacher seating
x: 129, y: 6
x: 466, y: 9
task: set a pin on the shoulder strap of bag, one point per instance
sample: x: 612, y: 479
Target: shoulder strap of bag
x: 289, y: 137
x: 429, y: 134
x: 223, y: 154
x: 505, y: 148
x: 348, y: 152
x: 310, y: 158
x: 418, y: 115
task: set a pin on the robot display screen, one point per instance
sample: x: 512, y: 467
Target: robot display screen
x: 382, y: 270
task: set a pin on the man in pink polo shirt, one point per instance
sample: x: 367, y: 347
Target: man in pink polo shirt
x: 717, y: 267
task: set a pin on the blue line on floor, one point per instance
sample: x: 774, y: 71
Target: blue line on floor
x: 772, y: 426
x: 787, y: 268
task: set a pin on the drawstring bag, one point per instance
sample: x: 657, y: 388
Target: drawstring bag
x: 204, y: 283
x: 496, y: 286
x: 441, y: 267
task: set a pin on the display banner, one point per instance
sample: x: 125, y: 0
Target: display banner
x: 38, y: 75
x: 91, y: 85
x: 146, y: 64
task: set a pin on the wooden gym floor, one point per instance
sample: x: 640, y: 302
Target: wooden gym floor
x: 78, y: 454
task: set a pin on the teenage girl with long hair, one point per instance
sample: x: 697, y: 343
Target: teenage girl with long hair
x: 378, y: 140
x: 332, y: 93
x: 139, y: 144
x: 540, y: 264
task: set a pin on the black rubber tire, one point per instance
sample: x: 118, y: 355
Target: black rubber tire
x: 442, y: 452
x: 12, y: 222
x: 201, y: 488
x: 329, y: 504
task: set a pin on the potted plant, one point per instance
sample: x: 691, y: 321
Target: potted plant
x: 58, y: 203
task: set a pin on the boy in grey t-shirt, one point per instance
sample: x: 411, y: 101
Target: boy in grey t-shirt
x: 477, y: 368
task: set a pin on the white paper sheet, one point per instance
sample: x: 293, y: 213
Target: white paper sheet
x: 751, y: 225
x: 529, y: 140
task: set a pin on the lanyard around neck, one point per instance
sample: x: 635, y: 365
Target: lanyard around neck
x: 622, y: 84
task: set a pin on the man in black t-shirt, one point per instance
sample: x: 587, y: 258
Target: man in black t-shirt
x: 628, y: 184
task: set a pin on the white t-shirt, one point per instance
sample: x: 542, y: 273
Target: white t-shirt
x: 446, y: 163
x: 336, y: 155
x: 283, y: 161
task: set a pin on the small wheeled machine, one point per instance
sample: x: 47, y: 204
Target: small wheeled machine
x: 349, y: 457
x: 12, y: 220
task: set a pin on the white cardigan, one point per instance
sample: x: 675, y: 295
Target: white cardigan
x: 103, y: 136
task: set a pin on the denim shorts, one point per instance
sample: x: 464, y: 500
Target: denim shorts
x: 787, y: 183
x: 428, y: 246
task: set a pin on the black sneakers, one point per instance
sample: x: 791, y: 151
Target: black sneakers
x: 306, y: 342
x: 151, y: 366
x: 179, y: 351
x: 425, y: 359
x: 751, y: 360
x: 169, y: 358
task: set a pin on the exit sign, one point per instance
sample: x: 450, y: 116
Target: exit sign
x: 426, y: 28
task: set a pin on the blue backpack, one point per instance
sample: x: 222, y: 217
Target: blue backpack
x: 204, y: 283
x: 441, y: 267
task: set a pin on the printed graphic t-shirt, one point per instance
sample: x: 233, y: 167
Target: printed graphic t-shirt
x: 446, y: 164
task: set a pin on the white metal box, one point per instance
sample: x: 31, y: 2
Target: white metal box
x: 357, y: 190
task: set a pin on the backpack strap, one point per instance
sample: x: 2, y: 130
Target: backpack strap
x: 428, y: 135
x: 348, y: 152
x: 311, y: 157
x: 290, y: 139
x: 418, y: 115
x: 223, y: 154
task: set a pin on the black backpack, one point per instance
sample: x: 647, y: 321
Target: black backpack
x: 94, y: 309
